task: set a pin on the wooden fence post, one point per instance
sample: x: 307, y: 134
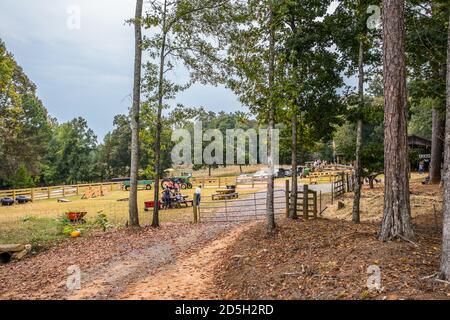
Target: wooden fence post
x: 195, y: 208
x: 332, y: 193
x: 305, y: 202
x: 253, y: 182
x: 348, y: 182
x: 32, y: 194
x: 63, y: 191
x: 14, y: 195
x: 320, y: 201
x: 315, y: 205
x: 78, y: 190
x: 48, y: 192
x: 287, y: 198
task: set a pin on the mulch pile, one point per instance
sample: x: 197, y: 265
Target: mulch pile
x: 328, y: 259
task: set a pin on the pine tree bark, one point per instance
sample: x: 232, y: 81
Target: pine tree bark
x: 436, y: 147
x: 155, y: 220
x: 270, y: 214
x: 294, y: 184
x: 445, y: 258
x: 396, y: 212
x: 359, y: 137
x: 135, y: 112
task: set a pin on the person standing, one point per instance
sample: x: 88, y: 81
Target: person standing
x: 166, y: 198
x: 421, y: 167
x: 197, y: 195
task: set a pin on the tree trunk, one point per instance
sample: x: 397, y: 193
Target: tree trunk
x: 445, y: 259
x: 436, y: 148
x: 294, y: 185
x: 270, y: 215
x: 155, y: 221
x: 134, y: 167
x: 359, y: 136
x: 396, y: 212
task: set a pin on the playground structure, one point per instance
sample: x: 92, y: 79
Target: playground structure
x: 93, y: 193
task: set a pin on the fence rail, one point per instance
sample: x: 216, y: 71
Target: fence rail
x: 224, y: 181
x: 41, y: 193
x: 249, y: 207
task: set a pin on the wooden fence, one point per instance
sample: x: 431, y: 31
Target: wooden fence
x: 330, y: 176
x: 342, y: 184
x: 307, y: 204
x: 224, y: 181
x: 58, y: 191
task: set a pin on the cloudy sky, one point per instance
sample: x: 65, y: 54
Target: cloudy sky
x: 87, y: 71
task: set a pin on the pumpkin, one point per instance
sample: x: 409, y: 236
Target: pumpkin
x: 75, y: 233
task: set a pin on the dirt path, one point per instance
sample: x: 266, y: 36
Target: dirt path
x: 180, y: 268
x: 191, y: 277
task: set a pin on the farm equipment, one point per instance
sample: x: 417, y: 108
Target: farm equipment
x: 151, y: 204
x: 11, y: 201
x: 147, y: 184
x: 183, y: 181
x: 22, y: 199
x: 7, y: 201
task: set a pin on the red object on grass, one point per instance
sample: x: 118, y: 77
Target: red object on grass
x: 151, y: 204
x: 75, y: 216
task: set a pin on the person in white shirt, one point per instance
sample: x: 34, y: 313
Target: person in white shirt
x: 197, y: 195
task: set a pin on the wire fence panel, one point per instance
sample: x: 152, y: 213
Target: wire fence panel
x: 251, y: 206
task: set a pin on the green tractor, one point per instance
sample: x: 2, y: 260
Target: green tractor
x: 183, y: 181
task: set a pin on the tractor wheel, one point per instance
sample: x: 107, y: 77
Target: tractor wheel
x: 165, y: 183
x: 148, y: 187
x: 127, y: 188
x: 183, y: 186
x: 189, y: 185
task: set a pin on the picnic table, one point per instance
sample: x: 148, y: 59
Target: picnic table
x: 174, y: 204
x: 184, y: 201
x: 225, y: 194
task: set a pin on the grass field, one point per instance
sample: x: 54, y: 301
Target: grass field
x: 41, y: 221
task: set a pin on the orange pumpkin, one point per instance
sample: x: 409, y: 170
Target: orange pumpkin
x: 75, y: 234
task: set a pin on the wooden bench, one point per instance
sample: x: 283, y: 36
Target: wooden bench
x: 185, y: 202
x: 225, y: 196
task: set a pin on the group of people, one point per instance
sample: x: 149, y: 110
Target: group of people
x: 171, y: 196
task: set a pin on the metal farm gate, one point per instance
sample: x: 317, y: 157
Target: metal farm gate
x: 250, y: 206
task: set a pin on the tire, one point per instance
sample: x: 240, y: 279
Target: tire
x: 165, y: 183
x: 148, y: 187
x: 183, y: 186
x: 127, y: 188
x: 189, y: 185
